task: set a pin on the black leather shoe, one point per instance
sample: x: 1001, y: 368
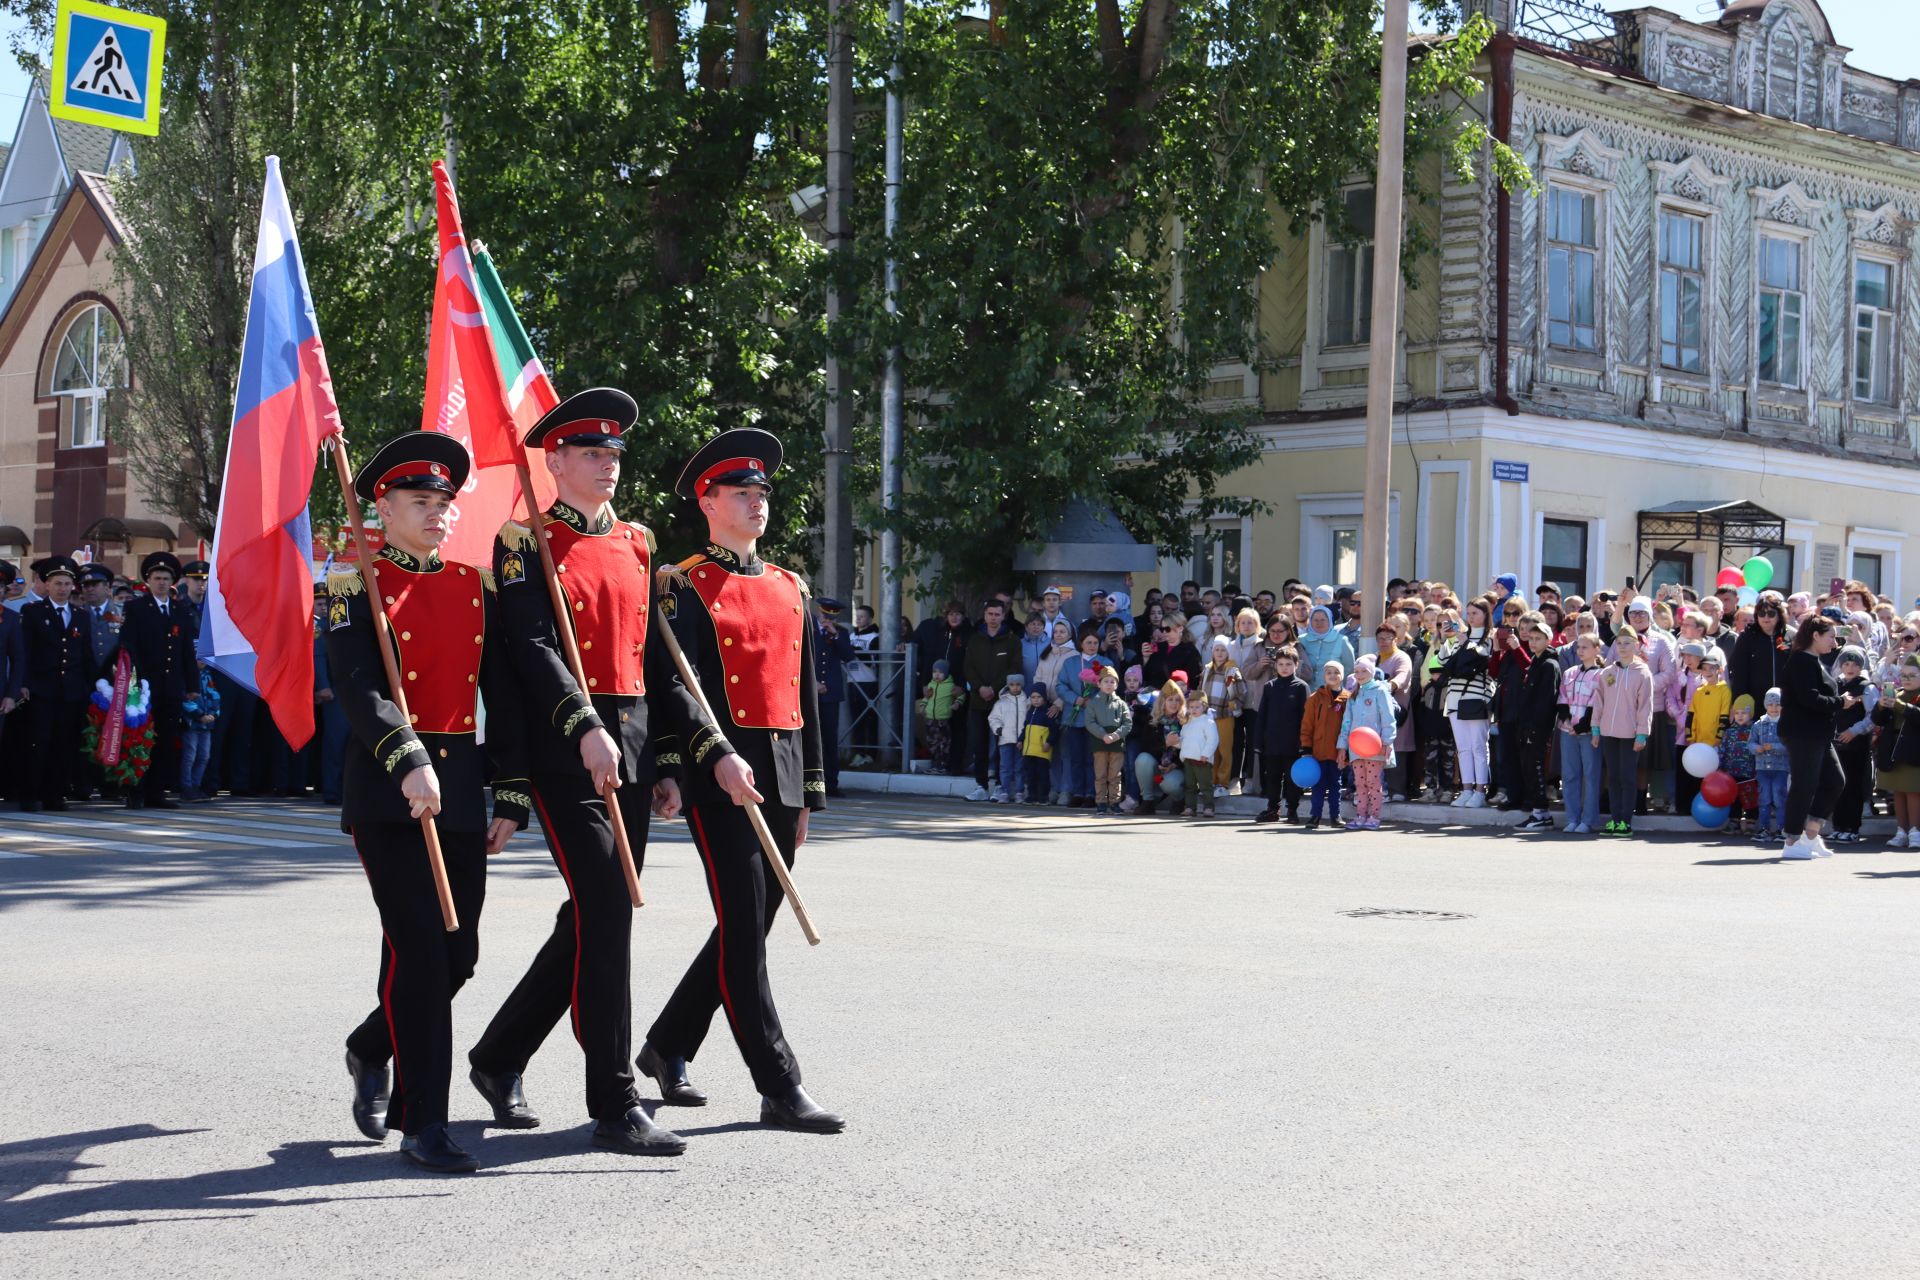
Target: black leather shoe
x: 636, y: 1134
x: 372, y: 1087
x: 503, y: 1094
x: 671, y: 1075
x: 163, y: 803
x: 435, y: 1152
x: 795, y: 1110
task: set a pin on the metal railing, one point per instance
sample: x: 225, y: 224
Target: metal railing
x: 876, y: 722
x: 1579, y: 28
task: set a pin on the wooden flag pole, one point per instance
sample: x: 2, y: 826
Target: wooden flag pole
x: 383, y: 638
x: 563, y: 624
x: 754, y: 816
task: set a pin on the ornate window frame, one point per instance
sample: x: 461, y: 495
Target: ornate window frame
x: 1317, y: 359
x: 1581, y: 162
x: 1878, y: 235
x: 1690, y: 187
x: 1787, y: 213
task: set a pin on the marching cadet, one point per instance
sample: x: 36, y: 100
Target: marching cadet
x: 426, y: 762
x: 746, y: 631
x: 579, y: 739
x: 159, y: 631
x: 59, y: 651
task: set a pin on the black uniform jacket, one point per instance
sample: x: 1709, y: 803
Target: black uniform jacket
x: 385, y: 746
x: 59, y: 659
x: 162, y: 645
x: 645, y: 728
x: 786, y: 762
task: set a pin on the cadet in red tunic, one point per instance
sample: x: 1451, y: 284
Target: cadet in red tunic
x: 747, y: 633
x: 578, y: 738
x: 429, y: 761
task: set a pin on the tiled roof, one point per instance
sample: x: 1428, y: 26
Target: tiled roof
x: 83, y: 146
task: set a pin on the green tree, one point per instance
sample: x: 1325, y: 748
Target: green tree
x: 1053, y: 151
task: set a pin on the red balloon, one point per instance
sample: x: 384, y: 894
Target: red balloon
x: 1730, y: 577
x: 1719, y: 788
x: 1363, y: 744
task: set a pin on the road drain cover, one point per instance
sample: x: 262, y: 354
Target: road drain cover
x: 1403, y: 913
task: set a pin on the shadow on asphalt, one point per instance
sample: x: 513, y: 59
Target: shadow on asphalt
x: 28, y: 1167
x: 1888, y: 875
x: 1736, y: 862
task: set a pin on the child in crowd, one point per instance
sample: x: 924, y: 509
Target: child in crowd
x: 1736, y: 760
x: 1854, y: 745
x: 1008, y: 721
x: 1107, y: 722
x: 1277, y: 733
x: 1199, y: 747
x: 1622, y: 724
x: 1579, y: 753
x: 1770, y: 771
x: 936, y: 715
x: 199, y: 710
x: 1225, y: 696
x: 1320, y: 738
x: 1539, y: 698
x: 1898, y: 750
x: 1678, y: 706
x: 1370, y: 706
x: 1036, y: 748
x: 1158, y: 769
x: 1706, y: 719
x: 1139, y: 702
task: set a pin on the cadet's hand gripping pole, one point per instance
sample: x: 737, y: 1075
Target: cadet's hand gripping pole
x: 767, y: 845
x: 563, y: 624
x: 382, y: 637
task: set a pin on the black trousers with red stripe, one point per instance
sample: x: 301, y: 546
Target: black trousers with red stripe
x: 583, y: 965
x: 730, y: 972
x: 422, y: 966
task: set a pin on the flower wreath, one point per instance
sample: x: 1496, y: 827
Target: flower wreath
x: 136, y: 743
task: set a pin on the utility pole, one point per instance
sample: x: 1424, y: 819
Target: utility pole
x: 837, y: 575
x: 1385, y: 322
x: 892, y: 407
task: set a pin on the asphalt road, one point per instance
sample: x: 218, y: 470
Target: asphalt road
x: 1066, y: 1047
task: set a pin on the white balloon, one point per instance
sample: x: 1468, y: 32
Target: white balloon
x: 1700, y: 759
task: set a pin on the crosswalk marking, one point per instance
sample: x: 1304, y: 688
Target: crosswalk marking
x: 103, y: 828
x: 76, y: 843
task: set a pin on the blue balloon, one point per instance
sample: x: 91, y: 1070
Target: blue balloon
x: 1710, y: 816
x: 1306, y: 773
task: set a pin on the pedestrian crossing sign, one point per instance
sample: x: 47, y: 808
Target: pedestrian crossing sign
x: 106, y: 66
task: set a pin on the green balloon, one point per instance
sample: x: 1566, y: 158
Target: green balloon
x: 1759, y: 572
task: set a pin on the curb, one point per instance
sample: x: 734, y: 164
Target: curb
x: 1425, y: 815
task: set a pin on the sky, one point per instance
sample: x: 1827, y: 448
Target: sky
x: 1883, y: 34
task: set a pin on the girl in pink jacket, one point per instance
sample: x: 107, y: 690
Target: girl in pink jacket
x: 1622, y: 722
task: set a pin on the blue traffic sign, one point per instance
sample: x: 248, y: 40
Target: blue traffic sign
x: 106, y: 66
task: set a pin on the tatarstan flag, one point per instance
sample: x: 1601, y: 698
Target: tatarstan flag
x: 530, y: 391
x: 466, y: 395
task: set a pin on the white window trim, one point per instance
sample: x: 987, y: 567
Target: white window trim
x: 1800, y: 535
x: 1602, y: 231
x: 1889, y: 545
x: 90, y: 400
x: 1785, y: 213
x: 1423, y: 561
x: 1658, y: 371
x: 1316, y: 358
x: 1491, y: 556
x: 1316, y: 548
x: 1596, y: 549
x: 1895, y: 261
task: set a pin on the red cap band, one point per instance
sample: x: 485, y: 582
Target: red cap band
x: 719, y: 469
x: 413, y: 470
x: 580, y: 427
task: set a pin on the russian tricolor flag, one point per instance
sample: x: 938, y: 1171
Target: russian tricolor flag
x: 262, y: 635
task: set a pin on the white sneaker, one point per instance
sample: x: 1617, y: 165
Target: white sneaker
x: 1913, y: 837
x: 1476, y: 800
x: 1899, y: 840
x: 1218, y: 792
x: 1397, y: 798
x: 1820, y: 849
x: 1800, y: 850
x: 978, y: 793
x: 1459, y: 801
x: 1129, y: 805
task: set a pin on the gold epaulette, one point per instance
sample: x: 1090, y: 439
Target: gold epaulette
x: 675, y: 575
x: 486, y: 578
x: 344, y: 580
x: 798, y: 581
x: 516, y: 536
x: 653, y: 547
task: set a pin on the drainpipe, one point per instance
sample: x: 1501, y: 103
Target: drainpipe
x: 1500, y: 50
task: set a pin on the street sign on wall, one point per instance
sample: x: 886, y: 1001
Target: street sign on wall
x: 106, y: 66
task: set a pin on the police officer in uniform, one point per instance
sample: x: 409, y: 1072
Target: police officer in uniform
x: 159, y: 630
x: 400, y: 767
x: 745, y: 628
x: 59, y: 650
x: 96, y: 594
x: 578, y: 739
